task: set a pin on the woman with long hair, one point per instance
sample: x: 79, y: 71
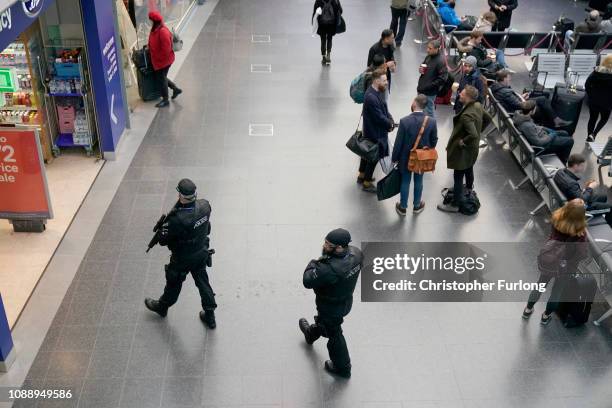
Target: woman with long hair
x: 565, y: 248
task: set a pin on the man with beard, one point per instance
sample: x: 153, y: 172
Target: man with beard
x: 377, y: 123
x: 333, y: 278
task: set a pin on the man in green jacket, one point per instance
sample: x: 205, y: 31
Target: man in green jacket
x: 399, y: 16
x: 462, y: 148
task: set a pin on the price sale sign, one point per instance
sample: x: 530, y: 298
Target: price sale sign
x: 23, y: 185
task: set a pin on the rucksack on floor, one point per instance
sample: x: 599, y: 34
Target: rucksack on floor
x: 358, y: 88
x: 470, y: 204
x: 328, y: 16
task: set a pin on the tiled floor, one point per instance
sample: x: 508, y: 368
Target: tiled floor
x: 273, y: 200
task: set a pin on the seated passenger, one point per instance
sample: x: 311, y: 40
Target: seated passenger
x: 471, y: 76
x: 472, y: 45
x: 486, y: 22
x: 553, y: 141
x: 567, y: 181
x: 449, y: 16
x: 590, y: 25
x: 511, y: 102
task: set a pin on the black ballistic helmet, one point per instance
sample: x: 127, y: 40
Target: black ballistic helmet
x: 339, y: 237
x: 186, y: 188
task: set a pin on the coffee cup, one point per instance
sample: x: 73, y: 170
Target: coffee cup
x: 423, y: 68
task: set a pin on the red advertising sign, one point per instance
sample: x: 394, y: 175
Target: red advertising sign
x: 23, y: 185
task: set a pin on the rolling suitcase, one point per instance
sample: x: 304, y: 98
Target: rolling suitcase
x: 147, y: 87
x: 576, y: 300
x: 567, y: 103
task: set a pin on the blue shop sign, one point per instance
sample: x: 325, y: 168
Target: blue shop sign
x: 15, y: 19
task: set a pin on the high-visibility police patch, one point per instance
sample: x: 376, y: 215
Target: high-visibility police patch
x: 200, y: 222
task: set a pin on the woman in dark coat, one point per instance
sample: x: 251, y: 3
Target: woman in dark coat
x: 599, y: 88
x: 331, y: 10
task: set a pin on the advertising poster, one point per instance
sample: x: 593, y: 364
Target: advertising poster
x: 23, y: 186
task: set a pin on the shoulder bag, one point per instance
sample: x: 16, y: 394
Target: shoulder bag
x: 422, y: 160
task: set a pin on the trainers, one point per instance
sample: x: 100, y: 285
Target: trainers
x: 176, y: 93
x: 448, y: 208
x: 400, y: 210
x: 323, y: 60
x: 162, y: 104
x: 590, y: 138
x: 527, y: 313
x: 328, y: 58
x: 332, y: 369
x: 154, y: 306
x: 369, y: 187
x: 208, y: 318
x: 545, y: 319
x: 398, y: 44
x: 419, y: 209
x: 561, y: 123
x: 361, y: 179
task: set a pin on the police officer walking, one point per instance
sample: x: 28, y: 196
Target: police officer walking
x: 185, y: 232
x: 333, y: 278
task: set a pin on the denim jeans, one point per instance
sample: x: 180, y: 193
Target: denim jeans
x: 405, y: 189
x: 501, y: 58
x: 561, y: 144
x: 431, y: 106
x: 398, y: 16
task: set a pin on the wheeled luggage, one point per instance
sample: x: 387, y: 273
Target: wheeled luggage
x: 576, y: 299
x: 148, y: 89
x: 567, y: 104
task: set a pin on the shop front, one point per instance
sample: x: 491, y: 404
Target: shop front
x: 62, y: 113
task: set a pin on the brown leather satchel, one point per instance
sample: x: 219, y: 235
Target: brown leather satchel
x: 422, y: 160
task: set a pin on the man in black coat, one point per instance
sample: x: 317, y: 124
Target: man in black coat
x: 503, y: 11
x: 377, y: 123
x: 185, y: 232
x: 433, y: 75
x: 384, y: 47
x: 568, y: 182
x: 333, y: 278
x: 407, y: 133
x: 504, y: 94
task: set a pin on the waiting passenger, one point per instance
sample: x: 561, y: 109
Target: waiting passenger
x: 590, y: 25
x: 568, y: 236
x: 407, y: 134
x: 512, y: 102
x: 558, y: 142
x: 377, y: 123
x: 598, y: 87
x: 471, y: 76
x: 384, y: 47
x: 486, y: 22
x: 449, y: 16
x: 503, y: 11
x: 472, y: 45
x: 567, y: 181
x: 433, y: 75
x: 378, y: 62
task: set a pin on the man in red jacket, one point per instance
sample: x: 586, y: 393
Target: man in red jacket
x: 162, y: 57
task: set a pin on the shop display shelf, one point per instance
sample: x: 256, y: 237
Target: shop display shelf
x: 65, y: 94
x: 66, y: 140
x: 18, y: 107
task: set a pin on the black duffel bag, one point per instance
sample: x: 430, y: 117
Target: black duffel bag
x: 470, y: 204
x: 362, y: 147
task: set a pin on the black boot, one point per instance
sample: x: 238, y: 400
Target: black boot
x: 162, y: 104
x: 154, y: 306
x: 332, y: 369
x: 208, y: 318
x: 309, y: 336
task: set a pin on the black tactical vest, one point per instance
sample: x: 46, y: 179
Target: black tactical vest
x: 192, y: 226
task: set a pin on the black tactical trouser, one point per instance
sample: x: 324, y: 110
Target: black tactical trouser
x: 331, y: 327
x: 176, y: 272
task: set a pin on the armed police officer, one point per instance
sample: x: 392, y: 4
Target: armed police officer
x: 333, y: 278
x: 185, y: 232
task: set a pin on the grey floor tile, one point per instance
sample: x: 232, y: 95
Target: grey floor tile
x: 68, y: 364
x: 147, y: 362
x: 141, y: 393
x: 182, y: 391
x: 100, y: 393
x: 108, y: 363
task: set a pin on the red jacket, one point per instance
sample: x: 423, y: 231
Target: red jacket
x: 160, y: 43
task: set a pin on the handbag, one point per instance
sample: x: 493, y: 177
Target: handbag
x: 341, y: 25
x: 362, y: 147
x: 390, y: 185
x: 422, y: 160
x: 550, y: 256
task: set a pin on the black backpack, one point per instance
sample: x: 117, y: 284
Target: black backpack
x: 328, y: 15
x: 470, y: 204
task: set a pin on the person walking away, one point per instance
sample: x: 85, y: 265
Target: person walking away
x: 377, y: 123
x: 399, y: 17
x: 434, y: 75
x: 384, y: 47
x: 162, y: 57
x: 557, y: 142
x: 486, y: 22
x: 565, y: 247
x: 462, y: 148
x: 185, y: 232
x: 567, y: 180
x: 471, y: 76
x: 598, y: 88
x: 333, y: 277
x: 331, y: 10
x: 407, y: 134
x: 503, y: 11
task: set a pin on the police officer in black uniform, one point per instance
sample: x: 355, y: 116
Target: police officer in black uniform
x: 333, y: 278
x: 185, y: 232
